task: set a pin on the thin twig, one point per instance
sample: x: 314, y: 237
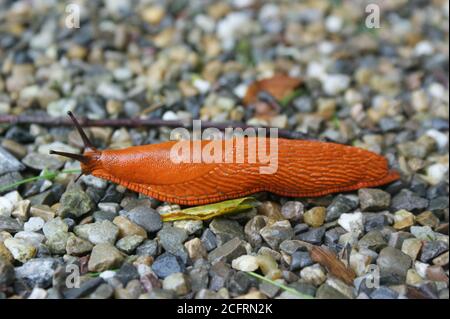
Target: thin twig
x: 138, y: 122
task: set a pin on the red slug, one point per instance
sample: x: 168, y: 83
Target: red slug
x: 300, y: 168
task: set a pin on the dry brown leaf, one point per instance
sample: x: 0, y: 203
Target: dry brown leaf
x: 279, y: 86
x: 337, y: 268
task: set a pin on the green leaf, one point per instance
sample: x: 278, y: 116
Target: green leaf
x: 281, y: 286
x: 212, y: 210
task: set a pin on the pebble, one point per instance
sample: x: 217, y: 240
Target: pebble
x: 104, y: 257
x: 172, y: 239
x: 166, y: 264
x: 129, y: 243
x: 190, y: 226
x: 423, y: 233
x: 40, y: 162
x: 245, y: 263
x: 178, y: 283
x: 313, y: 236
x: 315, y: 217
x: 373, y: 240
x: 383, y: 293
x: 412, y: 247
x: 195, y: 249
x: 403, y: 219
x: 209, y: 240
x: 432, y: 249
x: 226, y: 229
x: 228, y: 251
x: 37, y: 272
x: 75, y: 203
x: 274, y: 234
x: 353, y: 222
x: 292, y: 210
x: 428, y: 219
x: 145, y: 217
x: 148, y: 248
x: 8, y: 163
x: 394, y: 265
x: 32, y: 238
x: 340, y: 205
x: 372, y: 199
x: 314, y: 274
x: 99, y: 232
x: 20, y: 249
x: 34, y: 224
x: 300, y: 259
x: 128, y: 228
x: 9, y: 225
x: 77, y: 246
x: 252, y: 230
x: 6, y: 207
x: 7, y: 273
x: 409, y: 201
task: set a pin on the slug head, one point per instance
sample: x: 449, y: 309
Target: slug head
x: 90, y: 158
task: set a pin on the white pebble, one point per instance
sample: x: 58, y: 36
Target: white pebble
x: 201, y: 85
x: 438, y: 91
x: 436, y: 173
x: 34, y: 224
x: 245, y: 263
x: 423, y: 48
x: 14, y: 197
x: 333, y: 24
x: 108, y: 274
x: 316, y: 70
x: 170, y: 116
x: 206, y: 23
x: 38, y: 293
x: 421, y: 268
x: 334, y: 84
x: 440, y: 138
x: 352, y: 222
x: 6, y: 207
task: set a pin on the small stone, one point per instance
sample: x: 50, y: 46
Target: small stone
x: 104, y: 291
x: 412, y: 247
x: 340, y: 205
x: 177, y: 282
x: 394, y: 265
x: 371, y: 199
x: 271, y: 210
x: 40, y: 162
x: 85, y: 288
x: 209, y: 240
x: 172, y: 239
x: 245, y: 263
x: 37, y: 272
x: 190, y: 226
x: 128, y: 228
x: 167, y: 264
x: 441, y: 260
x: 413, y: 278
x: 5, y: 254
x: 432, y: 249
x: 42, y: 211
x: 56, y: 231
x: 6, y: 207
x: 32, y: 238
x: 7, y: 274
x: 226, y: 229
x: 292, y: 210
x: 375, y: 221
x: 313, y: 236
x: 8, y: 163
x: 428, y: 219
x: 104, y: 257
x: 34, y: 224
x: 352, y: 222
x: 403, y: 219
x: 75, y: 203
x: 20, y: 249
x: 195, y: 249
x: 99, y: 232
x: 396, y: 239
x: 300, y: 259
x: 102, y: 215
x: 423, y: 233
x: 9, y: 225
x: 148, y: 248
x: 373, y: 240
x: 409, y: 201
x: 111, y: 208
x: 21, y: 210
x: 314, y: 274
x: 77, y: 246
x: 129, y: 243
x: 228, y: 251
x: 145, y: 217
x: 274, y: 234
x: 384, y: 293
x: 359, y: 262
x: 315, y: 217
x: 252, y: 230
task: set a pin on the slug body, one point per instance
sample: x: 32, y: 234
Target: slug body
x: 302, y: 168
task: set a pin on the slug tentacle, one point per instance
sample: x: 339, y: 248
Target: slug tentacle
x: 86, y: 141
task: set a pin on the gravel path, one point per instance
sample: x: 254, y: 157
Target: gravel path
x: 383, y: 89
